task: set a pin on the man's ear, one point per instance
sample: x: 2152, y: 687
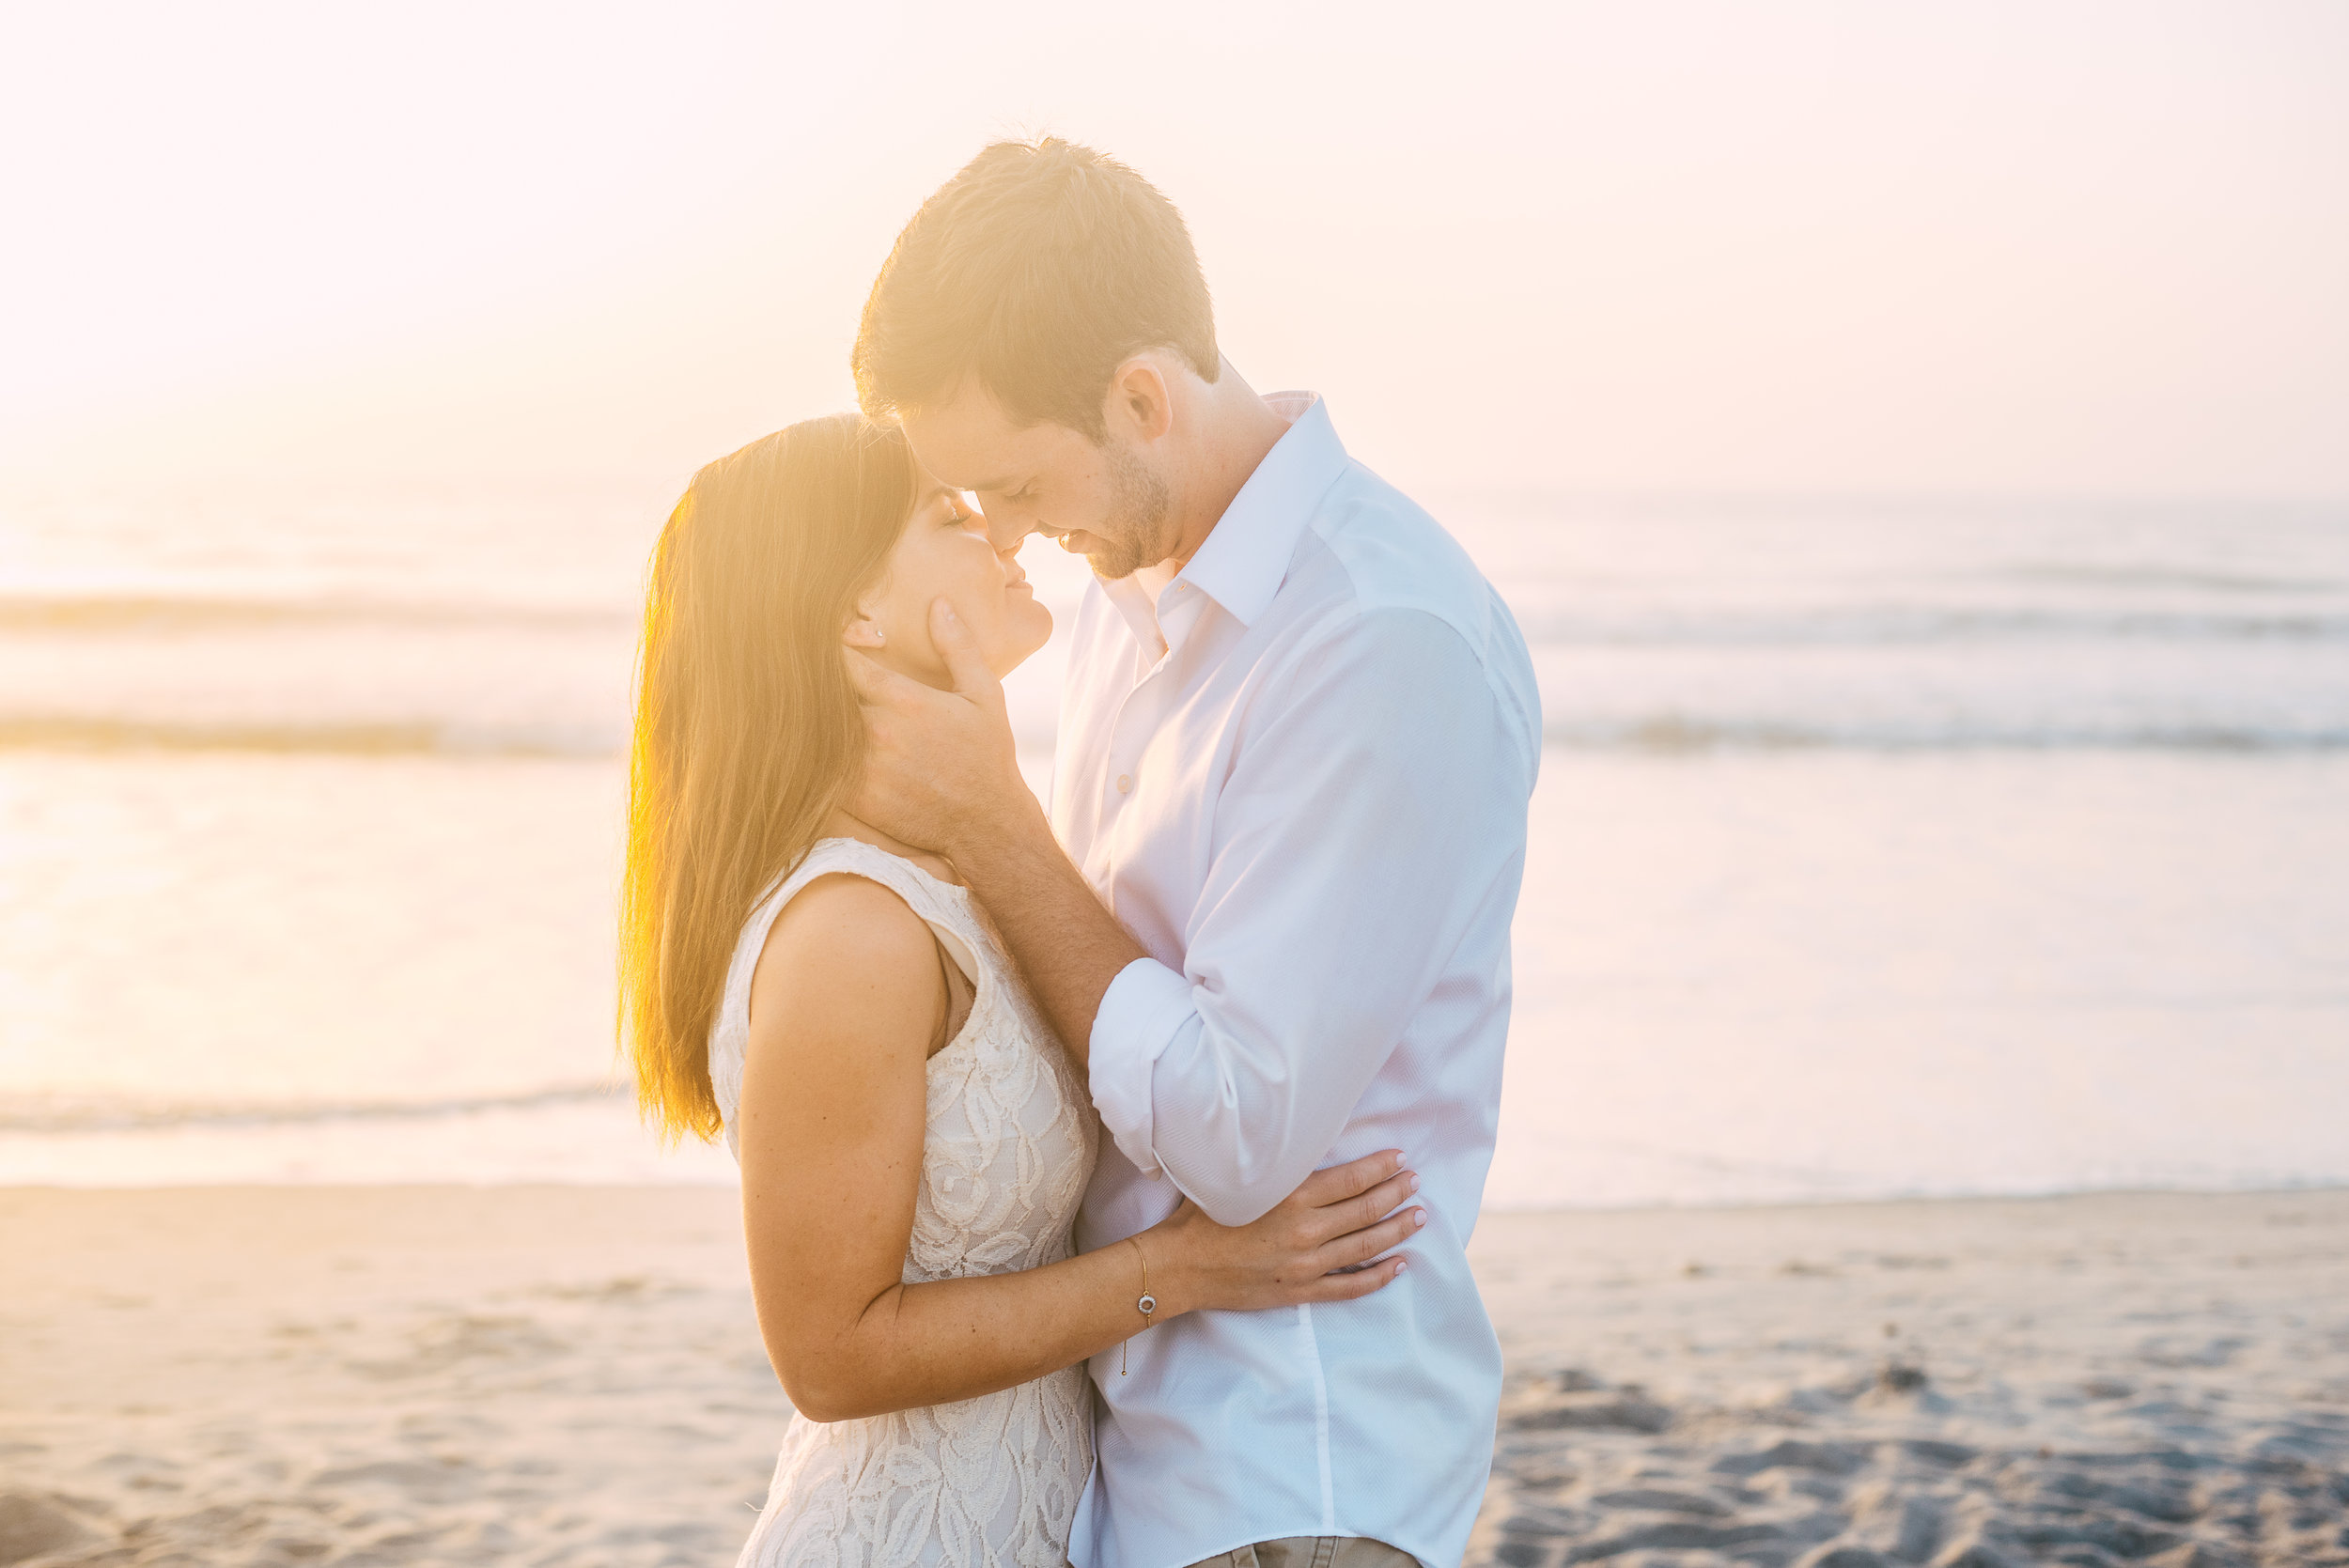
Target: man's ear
x: 1140, y: 400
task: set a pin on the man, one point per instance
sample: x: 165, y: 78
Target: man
x: 1296, y: 747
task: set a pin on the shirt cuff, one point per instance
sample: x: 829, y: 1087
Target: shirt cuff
x: 1140, y: 1014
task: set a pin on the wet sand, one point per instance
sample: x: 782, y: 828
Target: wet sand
x: 568, y: 1376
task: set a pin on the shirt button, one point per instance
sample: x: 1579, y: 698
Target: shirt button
x: 1124, y: 783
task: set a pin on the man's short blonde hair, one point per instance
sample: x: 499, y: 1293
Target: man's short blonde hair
x: 1037, y: 270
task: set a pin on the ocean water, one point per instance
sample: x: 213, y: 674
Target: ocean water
x: 1882, y: 847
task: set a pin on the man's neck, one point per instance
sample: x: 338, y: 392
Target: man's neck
x: 1236, y: 431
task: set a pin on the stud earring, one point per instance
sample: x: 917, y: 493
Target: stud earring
x: 880, y: 638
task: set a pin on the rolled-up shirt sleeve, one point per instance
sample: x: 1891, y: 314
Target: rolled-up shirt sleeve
x: 1145, y: 1007
x: 1375, y: 799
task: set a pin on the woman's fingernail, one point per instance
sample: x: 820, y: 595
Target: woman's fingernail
x: 1415, y: 1183
x: 1400, y: 1266
x: 1418, y: 1218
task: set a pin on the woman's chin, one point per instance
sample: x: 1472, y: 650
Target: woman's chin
x: 1033, y: 625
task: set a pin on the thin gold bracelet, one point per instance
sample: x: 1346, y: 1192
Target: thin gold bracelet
x: 1146, y: 1305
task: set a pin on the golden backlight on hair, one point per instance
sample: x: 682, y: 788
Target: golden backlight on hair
x: 1037, y: 269
x: 747, y: 730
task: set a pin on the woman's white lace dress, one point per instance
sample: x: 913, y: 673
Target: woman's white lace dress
x: 1007, y: 1147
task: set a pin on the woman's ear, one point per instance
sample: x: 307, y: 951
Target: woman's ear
x: 863, y: 630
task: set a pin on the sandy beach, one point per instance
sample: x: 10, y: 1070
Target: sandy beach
x: 571, y: 1375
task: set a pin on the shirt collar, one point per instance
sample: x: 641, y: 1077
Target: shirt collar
x: 1246, y: 555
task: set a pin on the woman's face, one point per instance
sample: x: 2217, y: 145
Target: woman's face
x: 944, y: 552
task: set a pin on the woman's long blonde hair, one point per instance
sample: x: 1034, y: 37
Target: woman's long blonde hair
x: 747, y: 731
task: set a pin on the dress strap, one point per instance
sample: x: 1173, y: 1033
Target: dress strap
x: 944, y: 907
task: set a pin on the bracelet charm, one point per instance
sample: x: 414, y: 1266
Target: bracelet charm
x: 1146, y: 1304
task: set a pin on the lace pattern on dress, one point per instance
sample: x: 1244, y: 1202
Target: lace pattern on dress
x: 1007, y: 1146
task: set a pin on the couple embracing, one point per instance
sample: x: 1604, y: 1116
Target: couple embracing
x: 1107, y: 1176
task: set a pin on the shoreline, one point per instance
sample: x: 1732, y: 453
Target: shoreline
x: 374, y: 1374
x: 723, y: 1181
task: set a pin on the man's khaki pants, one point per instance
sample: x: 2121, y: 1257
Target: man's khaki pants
x: 1307, y: 1551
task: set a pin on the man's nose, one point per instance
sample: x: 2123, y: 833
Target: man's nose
x: 1006, y: 531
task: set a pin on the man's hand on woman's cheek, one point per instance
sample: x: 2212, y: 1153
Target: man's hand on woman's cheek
x: 942, y: 769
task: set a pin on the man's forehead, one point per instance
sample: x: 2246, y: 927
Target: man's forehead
x: 972, y: 444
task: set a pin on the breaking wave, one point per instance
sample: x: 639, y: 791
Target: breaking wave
x: 47, y: 1114
x: 78, y: 733
x: 1672, y: 733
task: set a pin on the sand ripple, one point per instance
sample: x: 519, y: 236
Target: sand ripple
x: 2093, y: 1382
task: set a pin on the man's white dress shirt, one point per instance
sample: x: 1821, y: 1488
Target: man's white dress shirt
x: 1298, y: 772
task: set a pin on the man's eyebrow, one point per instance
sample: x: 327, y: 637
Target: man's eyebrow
x: 997, y: 486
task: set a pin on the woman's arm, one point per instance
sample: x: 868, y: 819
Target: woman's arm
x: 845, y: 1007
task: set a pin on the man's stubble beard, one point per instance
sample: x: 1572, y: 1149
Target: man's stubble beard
x: 1138, y: 530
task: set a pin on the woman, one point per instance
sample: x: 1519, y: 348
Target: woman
x: 913, y: 1142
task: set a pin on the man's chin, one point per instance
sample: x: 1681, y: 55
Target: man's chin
x: 1109, y: 559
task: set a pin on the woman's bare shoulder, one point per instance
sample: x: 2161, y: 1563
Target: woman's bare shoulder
x: 846, y: 951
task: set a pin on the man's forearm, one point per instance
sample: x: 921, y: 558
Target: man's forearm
x: 1067, y: 945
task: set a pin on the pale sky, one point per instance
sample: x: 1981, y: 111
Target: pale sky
x: 1980, y: 247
